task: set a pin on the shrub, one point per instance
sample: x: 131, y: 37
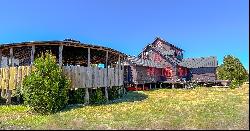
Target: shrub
x: 76, y: 96
x: 97, y: 96
x: 45, y: 90
x: 113, y: 93
x: 232, y: 69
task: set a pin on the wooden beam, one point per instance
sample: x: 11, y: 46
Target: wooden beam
x: 0, y: 58
x: 119, y: 68
x: 106, y: 88
x: 60, y: 55
x: 88, y: 57
x: 172, y: 85
x: 32, y: 54
x: 8, y: 93
x: 11, y: 57
x: 86, y: 97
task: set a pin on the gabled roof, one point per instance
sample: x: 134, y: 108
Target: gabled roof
x: 199, y: 62
x: 143, y: 62
x: 164, y: 41
x: 167, y: 43
x: 189, y: 62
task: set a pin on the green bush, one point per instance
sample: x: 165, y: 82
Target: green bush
x: 97, y: 96
x: 45, y: 90
x: 113, y: 93
x: 76, y: 96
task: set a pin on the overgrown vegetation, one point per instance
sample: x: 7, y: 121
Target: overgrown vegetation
x: 45, y: 89
x: 76, y: 96
x: 175, y: 109
x: 233, y: 70
x: 97, y: 96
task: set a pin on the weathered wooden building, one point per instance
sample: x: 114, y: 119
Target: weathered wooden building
x: 161, y: 61
x: 87, y: 66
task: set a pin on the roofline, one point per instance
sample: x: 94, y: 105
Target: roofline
x: 168, y: 43
x: 59, y: 42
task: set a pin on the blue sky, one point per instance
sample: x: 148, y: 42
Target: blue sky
x: 200, y: 27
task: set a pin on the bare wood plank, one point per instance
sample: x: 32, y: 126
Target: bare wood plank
x: 86, y: 97
x: 8, y: 93
x: 1, y: 81
x: 32, y: 54
x: 106, y: 87
x: 60, y: 55
x: 11, y: 57
x: 1, y: 58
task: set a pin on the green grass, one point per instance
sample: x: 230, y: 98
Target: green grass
x: 200, y: 108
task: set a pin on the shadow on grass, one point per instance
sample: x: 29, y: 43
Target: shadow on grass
x: 128, y: 97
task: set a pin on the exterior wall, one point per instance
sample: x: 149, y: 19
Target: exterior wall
x: 156, y: 57
x: 167, y: 47
x: 203, y: 74
x: 142, y: 74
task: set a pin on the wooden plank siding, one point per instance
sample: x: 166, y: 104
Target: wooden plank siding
x: 81, y: 77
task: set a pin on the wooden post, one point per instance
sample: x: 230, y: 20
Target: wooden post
x: 86, y: 97
x: 0, y: 58
x: 11, y: 57
x: 2, y: 90
x: 143, y: 85
x: 32, y: 55
x: 8, y: 93
x: 119, y: 68
x: 172, y: 85
x: 124, y: 90
x: 136, y: 87
x: 106, y: 88
x: 60, y: 55
x: 150, y: 86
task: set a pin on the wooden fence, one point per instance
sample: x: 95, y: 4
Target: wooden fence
x: 81, y: 77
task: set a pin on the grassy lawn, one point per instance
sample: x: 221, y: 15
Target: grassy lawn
x: 200, y: 108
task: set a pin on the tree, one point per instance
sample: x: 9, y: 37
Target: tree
x: 233, y: 70
x: 45, y: 89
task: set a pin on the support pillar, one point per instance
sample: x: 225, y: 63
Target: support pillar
x: 60, y: 55
x: 1, y: 58
x: 32, y: 55
x: 173, y: 85
x: 8, y: 92
x: 86, y: 97
x: 119, y: 68
x: 143, y: 85
x: 160, y: 85
x: 106, y: 88
x: 150, y: 86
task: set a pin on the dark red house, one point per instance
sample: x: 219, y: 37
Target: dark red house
x: 161, y: 61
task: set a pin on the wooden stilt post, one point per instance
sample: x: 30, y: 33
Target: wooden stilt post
x: 150, y: 86
x: 143, y: 85
x: 160, y: 85
x: 106, y: 88
x: 119, y: 68
x: 136, y: 87
x: 60, y: 55
x: 8, y: 101
x: 172, y: 85
x: 86, y: 97
x: 32, y: 54
x: 2, y: 90
x: 123, y: 86
x: 0, y: 58
x: 32, y: 57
